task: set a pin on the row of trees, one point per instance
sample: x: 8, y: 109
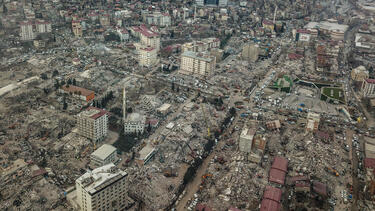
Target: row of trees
x: 70, y: 81
x: 102, y: 103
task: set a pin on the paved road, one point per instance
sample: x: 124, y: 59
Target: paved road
x: 194, y: 186
x: 354, y: 160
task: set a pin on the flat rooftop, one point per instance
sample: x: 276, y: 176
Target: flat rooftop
x: 100, y: 178
x: 199, y: 56
x: 327, y: 26
x: 104, y: 151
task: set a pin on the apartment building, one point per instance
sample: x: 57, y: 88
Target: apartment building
x: 146, y: 36
x: 134, y: 123
x: 202, y: 45
x: 104, y: 155
x: 198, y: 64
x: 312, y: 123
x: 368, y: 88
x: 102, y: 189
x: 43, y: 26
x: 147, y: 56
x: 27, y: 32
x: 93, y: 124
x: 150, y: 38
x: 246, y: 139
x: 331, y: 27
x: 104, y: 20
x: 157, y: 18
x: 77, y: 28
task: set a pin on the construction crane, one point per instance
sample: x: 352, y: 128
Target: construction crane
x: 205, y: 119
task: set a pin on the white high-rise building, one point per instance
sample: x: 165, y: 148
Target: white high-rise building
x: 147, y: 56
x: 102, y: 189
x: 198, y: 64
x: 93, y: 124
x: 368, y: 88
x: 27, y: 32
x: 150, y: 38
x: 43, y: 26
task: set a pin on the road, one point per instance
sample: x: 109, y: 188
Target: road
x: 194, y: 186
x: 354, y: 160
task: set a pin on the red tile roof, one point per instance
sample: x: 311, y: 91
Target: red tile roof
x: 202, y: 207
x: 233, y: 209
x: 299, y: 178
x: 320, y: 188
x: 272, y: 193
x: 277, y: 176
x: 371, y: 81
x: 370, y: 163
x: 269, y: 205
x: 267, y: 22
x: 280, y: 163
x: 72, y: 89
x: 97, y: 115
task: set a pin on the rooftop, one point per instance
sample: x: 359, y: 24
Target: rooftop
x: 272, y: 193
x: 327, y: 26
x: 93, y: 112
x: 198, y: 56
x: 135, y: 117
x: 99, y: 178
x: 79, y: 90
x: 104, y: 151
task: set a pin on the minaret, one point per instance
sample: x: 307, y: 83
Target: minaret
x: 124, y: 104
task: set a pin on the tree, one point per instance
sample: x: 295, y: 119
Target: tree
x: 65, y: 105
x: 55, y: 73
x: 69, y: 81
x: 178, y: 89
x: 232, y: 111
x: 63, y: 83
x: 74, y: 82
x: 149, y: 127
x: 57, y: 84
x: 46, y: 91
x: 43, y: 76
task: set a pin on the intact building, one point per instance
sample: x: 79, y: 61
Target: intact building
x: 104, y: 155
x: 93, y: 124
x: 147, y: 56
x: 27, y: 32
x: 78, y: 92
x: 201, y: 46
x: 102, y: 189
x: 312, y: 123
x: 43, y: 26
x: 246, y: 139
x: 198, y: 64
x: 77, y: 28
x: 158, y: 19
x: 134, y: 123
x: 335, y: 30
x: 368, y: 88
x: 150, y: 38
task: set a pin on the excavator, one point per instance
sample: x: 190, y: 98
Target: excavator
x: 332, y: 171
